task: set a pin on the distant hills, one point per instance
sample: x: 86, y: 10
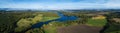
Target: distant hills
x: 8, y: 9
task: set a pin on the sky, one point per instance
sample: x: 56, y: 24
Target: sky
x: 60, y: 4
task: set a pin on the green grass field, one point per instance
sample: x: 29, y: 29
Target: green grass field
x: 49, y: 18
x: 96, y: 22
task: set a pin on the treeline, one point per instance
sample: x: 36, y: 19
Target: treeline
x: 8, y: 20
x: 112, y: 26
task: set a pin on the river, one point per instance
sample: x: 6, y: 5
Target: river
x: 61, y: 19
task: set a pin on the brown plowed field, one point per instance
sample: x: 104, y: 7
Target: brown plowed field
x: 79, y: 29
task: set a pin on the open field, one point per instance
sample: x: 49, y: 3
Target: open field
x: 79, y: 29
x: 96, y: 22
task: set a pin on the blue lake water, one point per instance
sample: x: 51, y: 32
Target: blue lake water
x: 61, y: 19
